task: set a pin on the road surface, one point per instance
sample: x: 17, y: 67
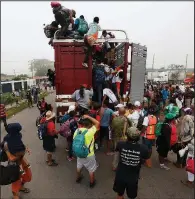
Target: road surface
x: 59, y: 182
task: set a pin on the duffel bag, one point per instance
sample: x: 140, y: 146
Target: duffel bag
x: 9, y: 174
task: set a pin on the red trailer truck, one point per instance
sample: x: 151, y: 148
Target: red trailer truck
x: 70, y: 74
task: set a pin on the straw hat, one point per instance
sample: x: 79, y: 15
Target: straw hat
x: 50, y: 115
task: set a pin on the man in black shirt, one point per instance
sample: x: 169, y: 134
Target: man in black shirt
x: 131, y: 155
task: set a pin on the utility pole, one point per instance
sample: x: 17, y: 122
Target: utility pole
x: 186, y: 64
x: 14, y: 72
x: 152, y: 67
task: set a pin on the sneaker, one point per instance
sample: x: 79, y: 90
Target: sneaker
x: 85, y: 65
x: 164, y: 167
x: 70, y: 159
x: 78, y: 180
x: 110, y: 153
x: 92, y: 185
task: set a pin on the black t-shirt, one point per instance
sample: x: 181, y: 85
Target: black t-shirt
x: 130, y: 158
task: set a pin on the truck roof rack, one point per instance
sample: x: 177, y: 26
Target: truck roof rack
x: 111, y: 40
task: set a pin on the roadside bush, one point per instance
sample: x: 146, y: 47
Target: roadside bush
x: 7, y: 98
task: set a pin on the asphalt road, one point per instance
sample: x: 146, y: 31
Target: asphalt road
x: 59, y: 182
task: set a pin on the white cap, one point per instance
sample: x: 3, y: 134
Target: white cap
x: 120, y: 106
x: 137, y: 103
x: 71, y: 108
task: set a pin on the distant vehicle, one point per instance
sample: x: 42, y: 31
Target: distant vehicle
x: 70, y: 74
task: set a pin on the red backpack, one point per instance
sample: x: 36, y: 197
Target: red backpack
x: 174, y: 137
x: 190, y: 165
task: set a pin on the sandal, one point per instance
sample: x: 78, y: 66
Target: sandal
x: 187, y: 183
x: 25, y: 190
x: 78, y: 180
x: 52, y: 164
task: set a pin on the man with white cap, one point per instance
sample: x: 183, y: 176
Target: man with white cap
x: 117, y: 108
x: 134, y: 117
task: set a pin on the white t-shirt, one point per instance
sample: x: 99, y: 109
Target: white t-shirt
x: 116, y: 77
x: 134, y: 117
x: 179, y: 103
x: 110, y: 94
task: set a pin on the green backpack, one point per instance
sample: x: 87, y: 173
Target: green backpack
x: 159, y: 128
x: 83, y: 26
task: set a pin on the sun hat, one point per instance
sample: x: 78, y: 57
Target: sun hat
x: 170, y: 116
x: 50, y: 115
x: 71, y: 108
x: 120, y: 106
x: 133, y: 132
x: 137, y: 104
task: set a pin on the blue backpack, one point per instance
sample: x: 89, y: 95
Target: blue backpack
x: 79, y: 148
x: 42, y: 130
x: 83, y: 26
x: 99, y: 74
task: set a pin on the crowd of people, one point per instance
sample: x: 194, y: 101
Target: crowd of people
x: 79, y: 29
x: 128, y: 132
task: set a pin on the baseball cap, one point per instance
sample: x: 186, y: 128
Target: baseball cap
x: 120, y: 106
x: 170, y: 116
x: 71, y: 108
x: 137, y: 103
x: 133, y: 132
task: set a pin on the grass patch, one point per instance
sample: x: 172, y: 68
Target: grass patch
x: 14, y: 110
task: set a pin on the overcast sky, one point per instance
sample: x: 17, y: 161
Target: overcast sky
x: 166, y: 28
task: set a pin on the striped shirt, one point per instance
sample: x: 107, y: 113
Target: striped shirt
x: 2, y: 111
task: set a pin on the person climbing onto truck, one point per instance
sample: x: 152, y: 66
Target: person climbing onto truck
x: 81, y: 25
x: 50, y: 30
x: 90, y: 38
x: 63, y: 16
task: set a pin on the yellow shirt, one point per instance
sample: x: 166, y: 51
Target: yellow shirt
x: 89, y: 138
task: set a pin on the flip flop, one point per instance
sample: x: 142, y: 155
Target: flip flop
x: 25, y: 190
x: 52, y: 164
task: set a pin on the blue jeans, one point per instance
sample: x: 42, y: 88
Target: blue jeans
x: 99, y: 90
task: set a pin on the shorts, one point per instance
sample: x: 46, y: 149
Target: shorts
x: 131, y: 188
x: 162, y: 151
x: 89, y: 163
x: 148, y: 143
x: 105, y: 132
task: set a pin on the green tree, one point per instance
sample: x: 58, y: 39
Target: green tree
x: 20, y: 77
x: 39, y: 67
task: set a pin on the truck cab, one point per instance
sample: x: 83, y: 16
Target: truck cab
x: 70, y: 74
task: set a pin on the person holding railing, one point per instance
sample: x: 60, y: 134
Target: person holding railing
x: 90, y: 38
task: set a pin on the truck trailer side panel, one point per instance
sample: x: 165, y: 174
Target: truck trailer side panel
x: 137, y: 74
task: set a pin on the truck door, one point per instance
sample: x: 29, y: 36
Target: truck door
x: 70, y: 73
x: 137, y: 72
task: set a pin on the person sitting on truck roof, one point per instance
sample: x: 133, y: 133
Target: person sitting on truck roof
x: 81, y: 25
x: 90, y: 39
x: 83, y: 97
x: 63, y: 17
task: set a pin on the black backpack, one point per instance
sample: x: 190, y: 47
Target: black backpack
x: 9, y: 173
x: 140, y: 122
